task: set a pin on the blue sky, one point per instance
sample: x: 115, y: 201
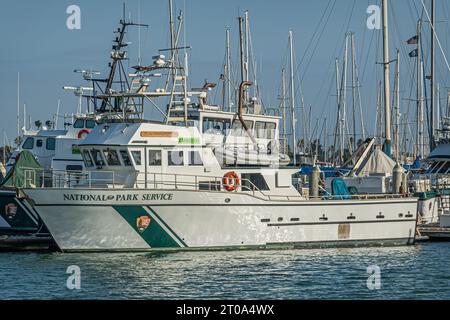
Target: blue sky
x: 36, y: 43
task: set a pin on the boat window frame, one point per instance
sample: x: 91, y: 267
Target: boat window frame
x: 160, y: 157
x: 88, y: 160
x: 77, y: 121
x: 240, y: 131
x: 107, y: 151
x: 103, y: 161
x: 25, y: 145
x: 133, y: 152
x: 170, y: 163
x: 91, y: 121
x: 126, y: 162
x: 190, y: 161
x: 47, y: 144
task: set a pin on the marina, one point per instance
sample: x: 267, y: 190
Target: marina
x: 156, y: 165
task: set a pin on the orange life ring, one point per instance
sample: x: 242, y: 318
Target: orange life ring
x: 231, y: 181
x: 83, y: 133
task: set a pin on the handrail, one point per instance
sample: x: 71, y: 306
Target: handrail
x: 70, y: 179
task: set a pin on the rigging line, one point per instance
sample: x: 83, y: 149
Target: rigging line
x: 338, y: 49
x: 316, y: 44
x: 308, y: 46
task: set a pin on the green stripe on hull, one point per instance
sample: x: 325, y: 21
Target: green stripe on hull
x: 154, y: 234
x: 167, y: 226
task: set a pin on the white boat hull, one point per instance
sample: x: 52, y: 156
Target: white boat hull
x: 104, y: 220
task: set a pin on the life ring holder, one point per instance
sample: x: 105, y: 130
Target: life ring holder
x: 231, y: 181
x: 83, y: 133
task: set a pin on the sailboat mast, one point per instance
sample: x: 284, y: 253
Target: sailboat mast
x: 433, y: 73
x: 228, y: 75
x: 387, y: 85
x: 354, y: 88
x: 294, y: 137
x: 344, y: 99
x: 397, y: 106
x: 419, y: 90
x: 283, y: 105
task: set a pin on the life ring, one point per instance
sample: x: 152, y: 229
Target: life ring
x: 231, y: 181
x: 83, y: 133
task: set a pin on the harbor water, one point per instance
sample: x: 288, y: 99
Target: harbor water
x: 415, y: 272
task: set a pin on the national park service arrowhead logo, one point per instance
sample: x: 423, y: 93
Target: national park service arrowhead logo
x: 142, y: 223
x: 11, y: 211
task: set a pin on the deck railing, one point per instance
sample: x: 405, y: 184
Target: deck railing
x: 38, y: 178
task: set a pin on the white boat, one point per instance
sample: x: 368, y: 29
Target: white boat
x: 154, y: 186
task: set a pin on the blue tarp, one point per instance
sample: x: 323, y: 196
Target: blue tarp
x: 327, y: 171
x: 340, y: 190
x: 415, y: 165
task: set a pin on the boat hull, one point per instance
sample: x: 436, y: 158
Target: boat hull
x: 137, y: 220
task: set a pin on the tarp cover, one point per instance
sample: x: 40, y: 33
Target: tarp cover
x: 340, y: 190
x: 24, y: 174
x: 377, y: 162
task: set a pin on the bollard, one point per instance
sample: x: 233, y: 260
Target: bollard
x: 397, y: 179
x: 405, y: 183
x: 314, y: 181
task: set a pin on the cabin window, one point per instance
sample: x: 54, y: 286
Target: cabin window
x: 154, y: 158
x: 39, y: 143
x: 175, y: 158
x: 237, y: 130
x: 90, y: 124
x: 51, y: 144
x: 87, y: 159
x: 28, y: 144
x: 195, y: 159
x: 213, y: 125
x: 446, y: 168
x: 125, y: 158
x: 251, y: 180
x: 97, y: 157
x: 73, y: 168
x: 112, y: 158
x: 79, y: 124
x: 137, y: 156
x: 265, y: 130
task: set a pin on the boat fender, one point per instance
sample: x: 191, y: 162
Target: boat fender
x: 231, y: 181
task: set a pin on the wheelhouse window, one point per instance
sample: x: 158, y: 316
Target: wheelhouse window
x: 51, y: 144
x: 137, y: 156
x: 237, y: 130
x: 112, y: 158
x: 265, y: 130
x: 79, y: 124
x: 90, y: 124
x: 28, y: 144
x: 125, y: 158
x: 154, y: 158
x: 97, y: 157
x: 214, y: 125
x: 195, y: 159
x: 87, y: 159
x: 175, y: 158
x: 39, y: 143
